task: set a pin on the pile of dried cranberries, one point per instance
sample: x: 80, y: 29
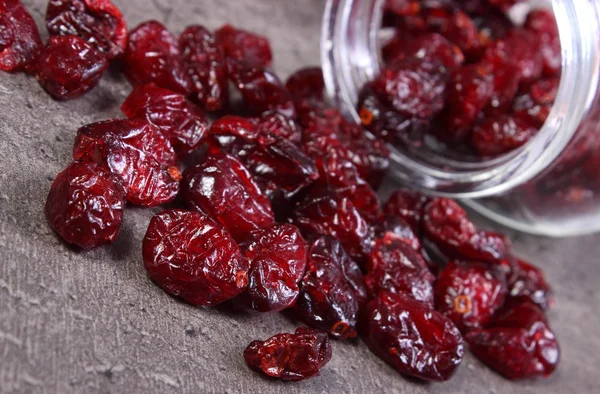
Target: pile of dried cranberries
x: 281, y: 209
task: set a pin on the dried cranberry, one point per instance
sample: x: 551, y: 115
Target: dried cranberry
x: 291, y: 357
x: 408, y: 205
x: 307, y: 87
x: 193, y: 257
x: 324, y: 212
x: 520, y: 344
x: 505, y: 73
x: 397, y: 228
x: 137, y: 153
x: 69, y: 67
x: 543, y: 24
x: 179, y: 120
x: 415, y: 339
x: 20, y: 41
x: 458, y: 27
x: 244, y: 48
x: 501, y: 134
x: 223, y: 188
x: 85, y: 205
x: 447, y: 226
x: 536, y: 102
x: 277, y: 258
x: 403, y: 7
x: 523, y: 47
x: 204, y: 62
x: 99, y: 22
x: 279, y: 125
x: 332, y: 290
x: 504, y: 4
x: 469, y: 294
x: 153, y: 55
x: 529, y: 284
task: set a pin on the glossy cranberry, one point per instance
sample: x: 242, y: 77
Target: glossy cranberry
x: 137, y: 153
x: 20, y: 41
x: 505, y: 73
x: 182, y: 122
x: 69, y: 67
x: 277, y: 258
x: 543, y: 24
x: 244, y: 48
x: 291, y: 357
x: 397, y: 228
x: 447, y: 226
x: 204, y: 62
x: 536, y: 102
x: 279, y: 125
x: 85, y: 205
x: 332, y: 290
x: 99, y: 22
x: 153, y: 55
x: 223, y: 188
x: 501, y: 134
x: 324, y: 212
x: 413, y: 338
x: 519, y: 344
x: 529, y: 285
x: 191, y: 256
x: 469, y: 294
x: 307, y: 87
x: 408, y: 205
x: 429, y: 47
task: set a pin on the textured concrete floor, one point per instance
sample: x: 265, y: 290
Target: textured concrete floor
x: 94, y: 323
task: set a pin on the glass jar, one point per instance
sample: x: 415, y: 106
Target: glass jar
x: 549, y: 186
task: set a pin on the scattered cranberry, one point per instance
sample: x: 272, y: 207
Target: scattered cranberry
x: 291, y: 357
x: 397, y: 228
x: 277, y: 258
x: 137, y: 153
x: 518, y: 345
x: 244, y: 48
x: 85, y: 205
x: 193, y: 257
x: 179, y: 120
x: 20, y: 41
x: 415, y: 339
x: 99, y: 22
x: 332, y: 290
x: 279, y: 125
x: 529, y: 284
x: 153, y: 55
x: 408, y: 205
x: 307, y: 87
x: 69, y: 67
x: 502, y: 134
x: 223, y: 188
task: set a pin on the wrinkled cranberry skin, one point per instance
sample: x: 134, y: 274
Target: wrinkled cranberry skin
x: 543, y: 24
x: 85, y: 205
x: 499, y: 59
x: 204, y: 62
x: 223, y: 188
x: 429, y: 47
x: 277, y: 258
x: 20, y: 41
x: 324, y: 212
x: 292, y: 357
x: 69, y: 68
x: 520, y: 344
x: 395, y: 267
x: 457, y: 27
x: 447, y: 226
x: 307, y: 88
x: 244, y: 48
x: 137, y: 153
x: 416, y: 340
x: 182, y: 122
x: 529, y: 285
x: 153, y: 55
x: 408, y: 205
x: 332, y: 290
x: 397, y: 228
x: 99, y: 22
x: 524, y: 48
x: 469, y: 294
x: 279, y: 125
x: 502, y: 134
x: 191, y: 256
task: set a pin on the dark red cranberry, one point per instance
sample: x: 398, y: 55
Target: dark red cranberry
x: 408, y: 205
x: 506, y: 77
x: 137, y: 153
x: 523, y: 46
x: 85, y: 205
x: 191, y: 256
x: 204, y: 62
x: 153, y: 55
x: 403, y: 7
x: 428, y: 47
x: 535, y: 103
x: 447, y: 226
x: 501, y: 134
x: 413, y: 338
x: 504, y: 4
x: 291, y: 357
x: 279, y: 125
x: 529, y: 284
x: 519, y: 344
x: 469, y: 294
x: 394, y: 266
x: 223, y: 188
x: 182, y: 122
x: 332, y: 290
x: 543, y: 24
x: 244, y: 48
x: 307, y: 84
x: 69, y: 67
x: 492, y: 25
x: 397, y: 228
x: 324, y: 212
x: 99, y: 22
x: 277, y: 258
x: 458, y: 27
x: 20, y: 41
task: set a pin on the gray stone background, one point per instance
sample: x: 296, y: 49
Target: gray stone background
x: 94, y: 323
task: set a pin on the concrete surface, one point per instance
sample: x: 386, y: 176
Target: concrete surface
x: 74, y: 322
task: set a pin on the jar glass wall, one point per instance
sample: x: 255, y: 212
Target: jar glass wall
x: 549, y: 186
